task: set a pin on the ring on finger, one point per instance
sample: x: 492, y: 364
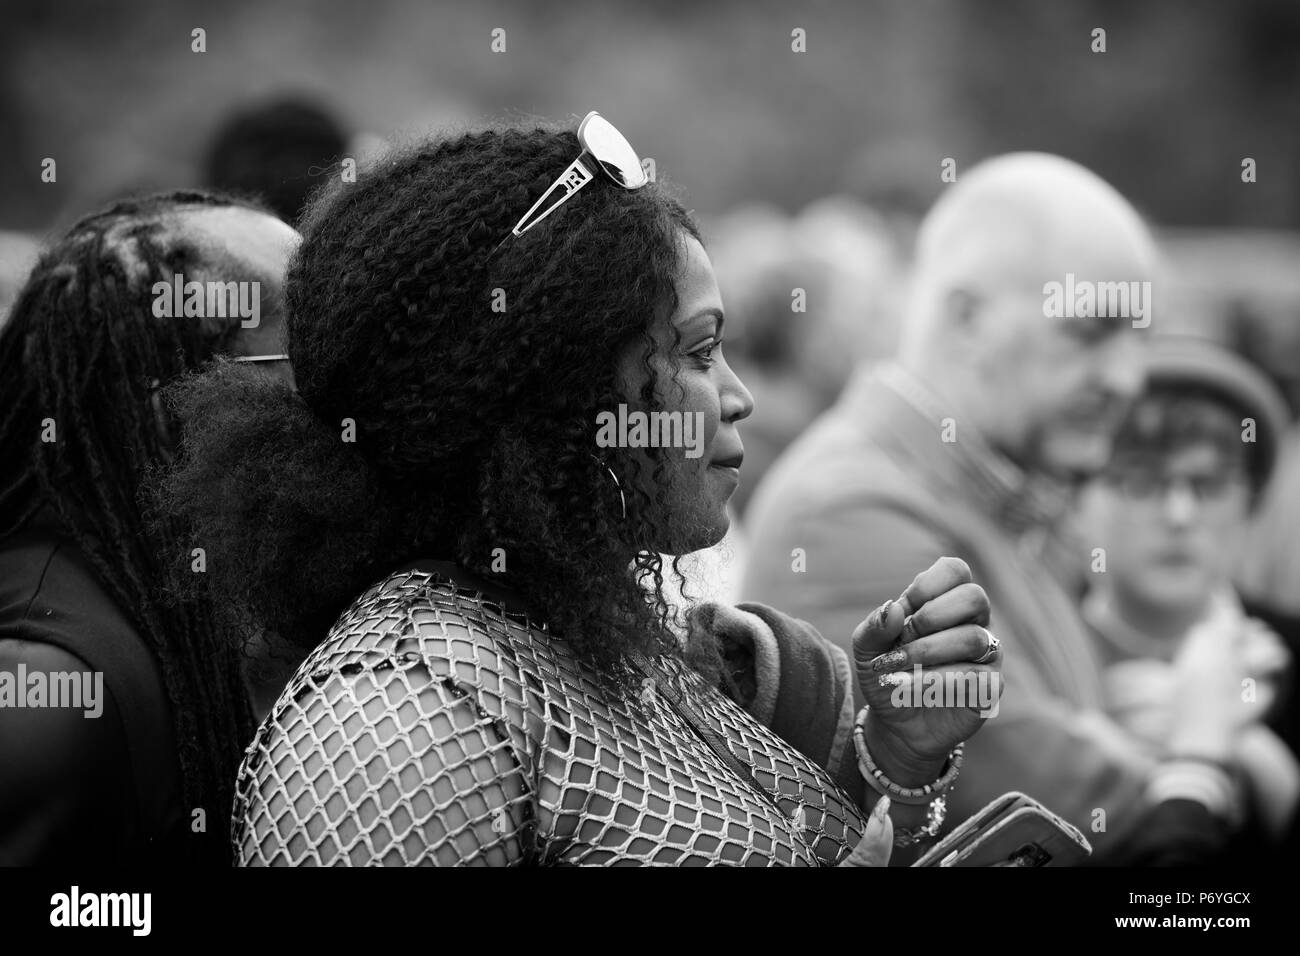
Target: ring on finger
x: 908, y: 634
x: 991, y: 651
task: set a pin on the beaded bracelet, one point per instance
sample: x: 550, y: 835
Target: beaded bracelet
x: 876, y: 778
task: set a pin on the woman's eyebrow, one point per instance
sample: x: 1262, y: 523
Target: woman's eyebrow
x: 711, y: 312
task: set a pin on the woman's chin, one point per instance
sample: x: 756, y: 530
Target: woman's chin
x: 706, y: 533
x: 703, y: 519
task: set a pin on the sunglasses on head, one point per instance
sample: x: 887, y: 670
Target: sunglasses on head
x: 603, y: 148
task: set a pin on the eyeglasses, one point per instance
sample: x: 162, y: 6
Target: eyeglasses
x: 603, y: 147
x: 1144, y: 485
x: 285, y: 374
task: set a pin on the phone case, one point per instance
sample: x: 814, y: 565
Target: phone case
x: 969, y: 828
x: 1013, y: 830
x: 1028, y: 837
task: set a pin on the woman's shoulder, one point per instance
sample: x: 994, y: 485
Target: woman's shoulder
x: 64, y: 797
x: 416, y: 612
x: 44, y: 574
x: 417, y: 677
x: 406, y: 643
x: 60, y: 627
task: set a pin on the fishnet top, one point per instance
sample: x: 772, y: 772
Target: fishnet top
x: 431, y: 727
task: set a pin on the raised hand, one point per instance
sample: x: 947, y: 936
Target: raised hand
x: 930, y: 671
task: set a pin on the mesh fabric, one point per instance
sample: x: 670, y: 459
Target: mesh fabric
x: 432, y: 728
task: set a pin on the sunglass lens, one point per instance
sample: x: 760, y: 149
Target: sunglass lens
x: 614, y: 153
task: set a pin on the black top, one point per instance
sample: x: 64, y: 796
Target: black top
x: 75, y: 789
x: 1285, y: 716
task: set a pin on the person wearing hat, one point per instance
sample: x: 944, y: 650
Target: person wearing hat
x: 1165, y: 522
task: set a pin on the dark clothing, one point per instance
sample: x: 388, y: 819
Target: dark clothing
x: 1285, y: 716
x: 79, y: 789
x: 1181, y: 833
x: 1284, y: 720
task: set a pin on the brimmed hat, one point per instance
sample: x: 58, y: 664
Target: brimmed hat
x: 1182, y: 360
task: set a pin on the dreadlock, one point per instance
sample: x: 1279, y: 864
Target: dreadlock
x: 83, y: 350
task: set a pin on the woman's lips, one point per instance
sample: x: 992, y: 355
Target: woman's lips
x: 732, y: 463
x: 729, y: 467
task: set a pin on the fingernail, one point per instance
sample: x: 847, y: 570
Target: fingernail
x: 879, y: 812
x: 882, y: 615
x: 890, y: 660
x: 875, y: 828
x: 893, y: 679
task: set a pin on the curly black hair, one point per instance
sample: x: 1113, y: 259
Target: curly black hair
x: 474, y: 423
x: 83, y: 348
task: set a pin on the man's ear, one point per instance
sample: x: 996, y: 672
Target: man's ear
x: 961, y: 309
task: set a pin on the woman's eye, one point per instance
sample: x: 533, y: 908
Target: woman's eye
x: 706, y: 354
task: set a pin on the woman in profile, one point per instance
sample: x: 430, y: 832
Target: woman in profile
x: 495, y: 677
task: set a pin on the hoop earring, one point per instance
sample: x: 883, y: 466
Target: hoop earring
x: 622, y: 501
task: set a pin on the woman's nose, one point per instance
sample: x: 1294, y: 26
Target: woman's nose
x: 736, y: 403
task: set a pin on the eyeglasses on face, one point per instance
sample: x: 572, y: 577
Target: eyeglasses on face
x: 1141, y: 484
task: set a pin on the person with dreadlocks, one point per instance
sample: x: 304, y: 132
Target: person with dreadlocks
x: 495, y: 676
x: 143, y: 773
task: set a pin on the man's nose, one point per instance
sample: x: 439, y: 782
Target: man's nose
x: 1180, y: 504
x: 1121, y: 369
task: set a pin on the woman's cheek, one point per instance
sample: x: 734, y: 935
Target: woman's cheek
x: 702, y: 401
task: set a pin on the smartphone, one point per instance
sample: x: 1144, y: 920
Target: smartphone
x: 1014, y: 830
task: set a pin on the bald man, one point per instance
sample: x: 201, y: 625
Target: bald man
x: 1019, y: 355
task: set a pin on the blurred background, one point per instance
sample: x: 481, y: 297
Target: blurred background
x: 807, y: 169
